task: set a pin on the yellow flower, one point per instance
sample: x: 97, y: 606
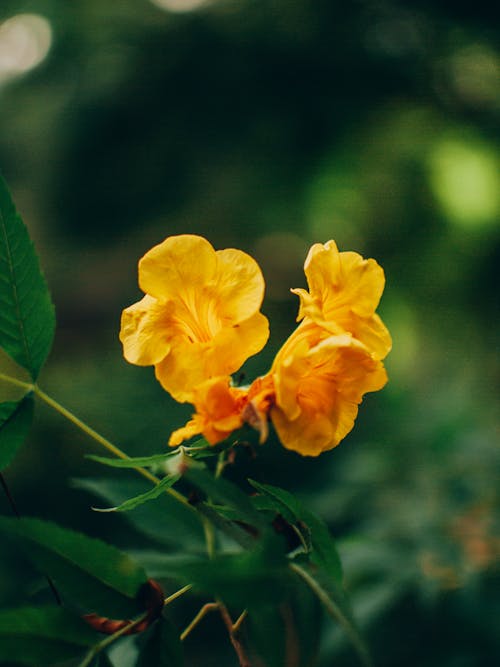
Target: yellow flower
x: 199, y: 318
x: 218, y: 412
x: 344, y: 292
x: 319, y: 382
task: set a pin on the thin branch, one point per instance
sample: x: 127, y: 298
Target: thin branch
x: 210, y: 606
x: 233, y: 636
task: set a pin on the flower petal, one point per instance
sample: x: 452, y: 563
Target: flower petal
x: 143, y: 332
x: 240, y: 286
x: 170, y: 269
x: 191, y: 363
x: 319, y: 383
x: 343, y: 280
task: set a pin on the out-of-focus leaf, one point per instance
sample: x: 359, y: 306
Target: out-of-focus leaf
x: 166, y: 520
x: 247, y: 579
x: 42, y: 636
x: 142, y: 498
x: 94, y: 575
x: 324, y: 550
x: 222, y: 491
x: 16, y: 421
x: 240, y: 534
x: 161, y: 565
x: 163, y: 647
x: 101, y: 660
x: 288, y: 634
x: 27, y: 320
x: 335, y: 602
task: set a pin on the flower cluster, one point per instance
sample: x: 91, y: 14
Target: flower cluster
x: 200, y: 320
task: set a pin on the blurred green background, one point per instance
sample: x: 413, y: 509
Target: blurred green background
x: 267, y: 126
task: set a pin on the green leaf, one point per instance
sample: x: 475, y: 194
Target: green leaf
x: 27, y: 320
x: 142, y: 498
x: 247, y: 579
x: 94, y: 575
x: 101, y: 660
x: 163, y: 647
x: 133, y: 462
x: 167, y: 521
x: 15, y: 419
x: 335, y: 603
x: 42, y: 636
x: 12, y: 379
x: 324, y: 550
x: 289, y: 633
x: 155, y: 460
x: 222, y: 491
x: 244, y: 537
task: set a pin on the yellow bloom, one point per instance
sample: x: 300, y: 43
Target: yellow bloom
x: 344, y: 292
x: 218, y: 412
x: 319, y: 382
x: 199, y: 318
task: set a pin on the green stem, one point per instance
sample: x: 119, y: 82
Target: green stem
x: 109, y: 640
x: 17, y: 383
x: 177, y: 594
x: 336, y: 613
x: 113, y: 449
x: 103, y: 441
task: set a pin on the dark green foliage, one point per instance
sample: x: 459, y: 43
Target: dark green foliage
x: 162, y: 647
x: 314, y: 530
x: 166, y: 520
x: 142, y: 498
x: 16, y: 421
x: 40, y: 636
x: 27, y: 320
x: 89, y: 573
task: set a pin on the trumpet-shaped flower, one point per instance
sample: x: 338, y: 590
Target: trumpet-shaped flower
x: 219, y: 410
x: 344, y: 292
x: 318, y: 383
x: 199, y: 318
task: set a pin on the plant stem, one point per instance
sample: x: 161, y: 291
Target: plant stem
x: 337, y: 614
x: 109, y: 640
x: 210, y: 606
x: 237, y: 645
x: 177, y: 594
x: 113, y: 449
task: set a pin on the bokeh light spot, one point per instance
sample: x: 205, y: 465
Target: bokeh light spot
x: 464, y: 177
x: 180, y: 6
x: 25, y: 41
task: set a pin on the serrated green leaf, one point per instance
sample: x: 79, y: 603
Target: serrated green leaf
x: 92, y: 574
x: 142, y: 498
x: 155, y: 460
x: 133, y: 462
x: 166, y: 520
x: 323, y: 549
x: 27, y: 320
x: 42, y: 636
x: 335, y: 602
x: 15, y: 420
x: 163, y: 647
